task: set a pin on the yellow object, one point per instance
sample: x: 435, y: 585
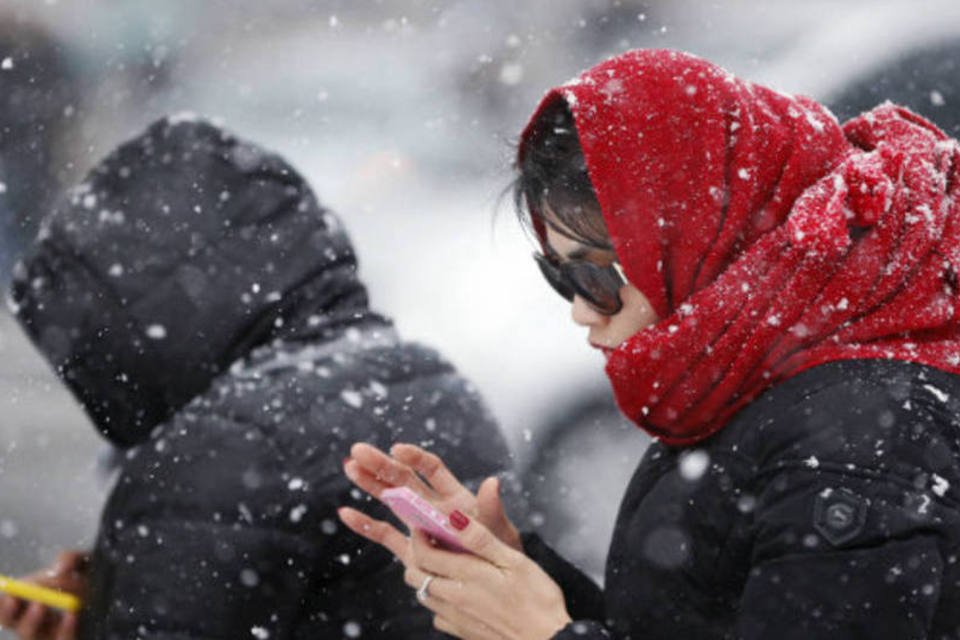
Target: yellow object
x: 50, y: 597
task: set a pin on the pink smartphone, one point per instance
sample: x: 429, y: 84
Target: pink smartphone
x: 417, y: 513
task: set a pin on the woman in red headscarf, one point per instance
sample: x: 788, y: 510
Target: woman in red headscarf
x: 777, y: 298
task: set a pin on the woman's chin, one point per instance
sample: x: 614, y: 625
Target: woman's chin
x: 605, y: 350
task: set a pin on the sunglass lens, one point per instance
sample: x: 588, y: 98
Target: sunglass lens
x: 553, y: 276
x: 597, y: 286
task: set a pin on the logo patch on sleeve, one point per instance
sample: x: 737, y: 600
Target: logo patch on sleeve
x: 839, y: 515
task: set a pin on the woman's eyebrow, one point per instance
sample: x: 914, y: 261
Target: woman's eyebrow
x: 578, y: 254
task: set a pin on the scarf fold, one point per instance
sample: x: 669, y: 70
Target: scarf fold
x: 768, y: 238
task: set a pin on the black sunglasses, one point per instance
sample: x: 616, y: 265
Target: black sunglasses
x: 599, y: 286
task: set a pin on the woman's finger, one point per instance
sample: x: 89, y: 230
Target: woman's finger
x: 445, y: 599
x: 367, y: 482
x: 67, y: 629
x: 71, y: 561
x: 479, y: 540
x: 383, y: 533
x: 472, y: 536
x: 462, y: 567
x: 442, y: 596
x: 430, y: 466
x: 386, y: 470
x: 415, y: 578
x: 28, y: 625
x: 491, y: 513
x: 9, y: 606
x: 445, y: 626
x: 466, y: 629
x: 490, y: 510
x: 439, y: 590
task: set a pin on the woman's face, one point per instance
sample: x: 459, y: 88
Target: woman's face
x: 606, y: 332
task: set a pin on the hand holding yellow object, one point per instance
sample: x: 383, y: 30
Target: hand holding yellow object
x: 31, y: 591
x: 44, y: 605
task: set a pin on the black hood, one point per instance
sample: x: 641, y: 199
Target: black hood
x: 181, y: 251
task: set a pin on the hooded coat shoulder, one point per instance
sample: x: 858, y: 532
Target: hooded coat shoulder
x: 224, y: 521
x: 206, y: 312
x: 825, y: 509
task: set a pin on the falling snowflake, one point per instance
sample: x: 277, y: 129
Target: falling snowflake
x: 297, y: 513
x: 249, y: 578
x: 8, y: 529
x: 511, y: 74
x: 939, y: 394
x: 940, y: 485
x: 694, y: 464
x: 352, y: 398
x: 156, y: 332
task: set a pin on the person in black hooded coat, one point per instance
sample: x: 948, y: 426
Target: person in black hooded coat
x: 207, y: 313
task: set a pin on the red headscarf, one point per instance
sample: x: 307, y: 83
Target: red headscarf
x: 768, y: 238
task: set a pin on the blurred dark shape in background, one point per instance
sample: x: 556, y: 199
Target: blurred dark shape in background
x: 925, y: 80
x: 39, y: 98
x: 585, y: 453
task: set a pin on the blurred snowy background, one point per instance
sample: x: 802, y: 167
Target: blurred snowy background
x: 401, y: 114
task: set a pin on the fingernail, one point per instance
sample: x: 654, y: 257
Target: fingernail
x: 345, y: 461
x: 459, y: 521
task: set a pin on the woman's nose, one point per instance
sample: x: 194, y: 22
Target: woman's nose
x: 585, y: 315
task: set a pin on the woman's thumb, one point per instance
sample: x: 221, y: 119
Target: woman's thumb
x: 489, y: 506
x: 68, y: 561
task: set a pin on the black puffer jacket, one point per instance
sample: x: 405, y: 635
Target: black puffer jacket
x: 206, y: 312
x: 828, y: 508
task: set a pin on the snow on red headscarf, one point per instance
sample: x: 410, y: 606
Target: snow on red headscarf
x: 768, y: 238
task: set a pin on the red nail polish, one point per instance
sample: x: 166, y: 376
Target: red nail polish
x: 459, y: 521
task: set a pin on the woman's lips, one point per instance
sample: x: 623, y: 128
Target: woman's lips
x: 607, y: 351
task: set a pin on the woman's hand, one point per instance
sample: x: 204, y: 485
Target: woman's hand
x: 425, y: 473
x: 35, y: 621
x: 492, y: 593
